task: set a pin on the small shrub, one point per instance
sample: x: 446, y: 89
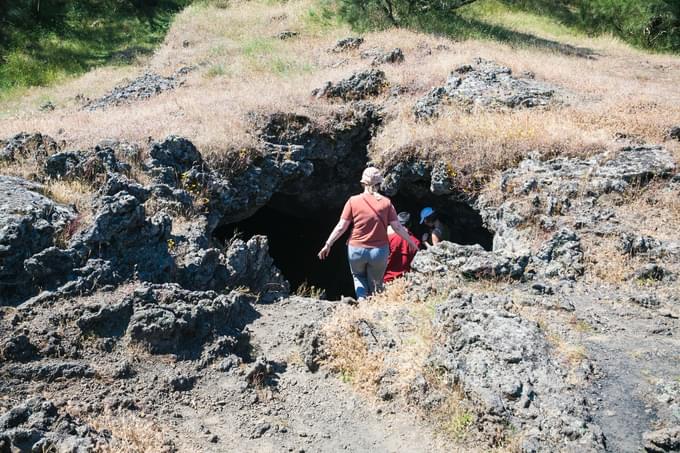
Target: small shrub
x: 216, y: 70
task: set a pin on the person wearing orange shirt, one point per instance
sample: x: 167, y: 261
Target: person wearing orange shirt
x: 370, y: 214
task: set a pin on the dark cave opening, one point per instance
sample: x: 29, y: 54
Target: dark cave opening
x: 296, y: 234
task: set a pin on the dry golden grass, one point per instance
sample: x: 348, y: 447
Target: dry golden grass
x: 67, y: 192
x: 243, y: 68
x: 349, y: 355
x: 604, y: 261
x: 348, y: 350
x: 131, y: 434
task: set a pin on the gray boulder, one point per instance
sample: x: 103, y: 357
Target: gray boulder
x: 674, y: 133
x: 561, y: 256
x: 28, y: 224
x: 505, y: 366
x: 86, y: 166
x: 18, y: 348
x: 486, y: 84
x: 358, y: 86
x: 116, y: 182
x: 249, y: 264
x: 468, y: 261
x: 350, y: 43
x: 381, y: 56
x: 168, y: 319
x: 171, y: 158
x: 121, y: 233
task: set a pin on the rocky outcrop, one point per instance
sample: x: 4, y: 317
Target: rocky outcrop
x: 167, y: 319
x: 560, y: 256
x: 504, y: 365
x: 485, y: 84
x: 301, y: 157
x: 84, y: 166
x: 381, y: 56
x: 37, y: 425
x: 663, y: 440
x: 468, y: 261
x: 563, y: 192
x: 171, y: 158
x: 143, y: 87
x: 360, y: 85
x: 35, y: 147
x: 29, y: 222
x: 350, y: 43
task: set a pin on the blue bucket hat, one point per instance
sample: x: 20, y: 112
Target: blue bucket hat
x: 425, y: 213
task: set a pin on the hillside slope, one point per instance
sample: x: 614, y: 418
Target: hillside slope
x: 159, y: 284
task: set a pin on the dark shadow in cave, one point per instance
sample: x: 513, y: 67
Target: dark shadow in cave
x: 465, y: 224
x: 296, y: 234
x: 295, y: 238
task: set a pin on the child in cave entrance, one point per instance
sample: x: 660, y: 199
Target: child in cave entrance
x: 401, y: 255
x: 437, y: 231
x: 370, y: 214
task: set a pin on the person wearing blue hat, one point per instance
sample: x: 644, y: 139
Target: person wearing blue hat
x: 437, y: 230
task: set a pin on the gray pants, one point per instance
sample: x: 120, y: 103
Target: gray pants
x: 368, y: 268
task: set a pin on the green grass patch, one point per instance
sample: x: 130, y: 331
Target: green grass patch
x: 41, y: 47
x: 258, y: 47
x: 649, y: 24
x: 216, y: 70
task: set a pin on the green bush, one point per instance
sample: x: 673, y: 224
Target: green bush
x: 44, y: 40
x: 653, y: 24
x: 384, y: 13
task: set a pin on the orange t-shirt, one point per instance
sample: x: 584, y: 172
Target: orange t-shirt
x: 369, y: 230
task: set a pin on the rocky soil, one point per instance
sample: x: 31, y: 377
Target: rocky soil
x: 134, y: 309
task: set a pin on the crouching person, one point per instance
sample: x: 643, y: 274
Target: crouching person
x: 401, y: 254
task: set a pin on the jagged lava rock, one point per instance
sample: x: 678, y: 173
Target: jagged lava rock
x: 358, y: 86
x: 34, y: 146
x: 485, y: 84
x: 37, y: 425
x: 143, y: 87
x: 28, y: 223
x: 168, y: 319
x: 504, y: 365
x: 346, y: 44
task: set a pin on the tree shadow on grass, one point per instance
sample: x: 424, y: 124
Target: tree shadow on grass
x: 458, y: 27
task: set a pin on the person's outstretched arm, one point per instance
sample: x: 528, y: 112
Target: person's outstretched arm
x: 401, y: 231
x: 338, y: 231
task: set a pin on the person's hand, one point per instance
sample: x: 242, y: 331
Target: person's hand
x: 323, y: 254
x: 412, y: 247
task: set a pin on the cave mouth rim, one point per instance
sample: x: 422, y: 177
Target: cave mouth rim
x: 294, y: 248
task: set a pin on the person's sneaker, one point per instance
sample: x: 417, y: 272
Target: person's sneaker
x: 348, y: 300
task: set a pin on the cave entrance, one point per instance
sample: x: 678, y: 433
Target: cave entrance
x: 465, y: 224
x: 296, y: 234
x: 295, y: 238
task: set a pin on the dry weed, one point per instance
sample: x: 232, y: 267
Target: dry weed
x: 71, y: 192
x: 131, y: 434
x: 606, y: 262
